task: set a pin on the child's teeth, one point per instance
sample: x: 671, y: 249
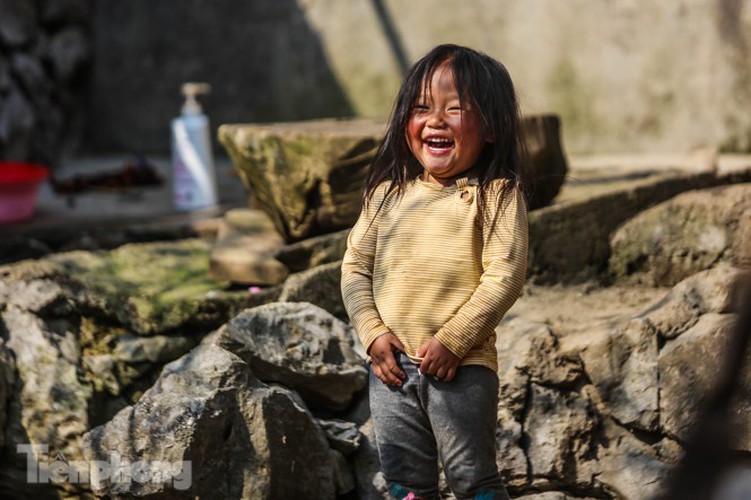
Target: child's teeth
x: 439, y: 142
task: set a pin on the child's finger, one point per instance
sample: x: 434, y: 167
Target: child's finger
x: 426, y: 365
x: 393, y: 367
x: 386, y: 368
x: 378, y: 370
x: 450, y: 374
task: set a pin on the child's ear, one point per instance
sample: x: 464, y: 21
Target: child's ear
x: 490, y: 138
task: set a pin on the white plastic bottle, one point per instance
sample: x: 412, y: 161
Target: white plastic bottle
x: 194, y: 177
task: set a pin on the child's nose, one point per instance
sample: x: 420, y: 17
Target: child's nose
x: 435, y: 118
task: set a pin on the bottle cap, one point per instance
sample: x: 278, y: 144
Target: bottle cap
x: 190, y: 90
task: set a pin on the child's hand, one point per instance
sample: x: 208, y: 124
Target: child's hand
x: 438, y: 361
x: 383, y: 361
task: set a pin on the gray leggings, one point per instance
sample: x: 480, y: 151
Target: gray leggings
x: 426, y: 419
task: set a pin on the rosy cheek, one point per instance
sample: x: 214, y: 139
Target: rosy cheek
x: 413, y: 131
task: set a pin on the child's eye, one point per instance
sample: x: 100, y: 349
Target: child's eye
x: 420, y: 107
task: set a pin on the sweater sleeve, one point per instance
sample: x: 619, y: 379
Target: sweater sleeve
x: 357, y: 277
x: 504, y: 261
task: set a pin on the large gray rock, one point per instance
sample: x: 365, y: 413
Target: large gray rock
x: 690, y: 367
x: 531, y: 353
x: 562, y: 429
x: 35, y: 296
x: 627, y: 467
x: 302, y: 347
x: 555, y: 256
x: 319, y: 285
x: 622, y: 363
x: 67, y: 324
x: 530, y: 360
x: 371, y: 485
x: 149, y: 288
x: 710, y: 291
x: 687, y: 234
x: 50, y: 403
x: 307, y: 176
x: 510, y: 455
x: 226, y: 435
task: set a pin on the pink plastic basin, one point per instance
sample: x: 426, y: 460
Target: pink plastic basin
x: 19, y: 185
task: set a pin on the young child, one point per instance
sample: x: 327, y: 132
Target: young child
x: 437, y: 257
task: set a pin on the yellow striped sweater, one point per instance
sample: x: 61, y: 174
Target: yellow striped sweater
x: 425, y: 266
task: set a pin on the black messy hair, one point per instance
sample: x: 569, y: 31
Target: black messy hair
x: 486, y: 85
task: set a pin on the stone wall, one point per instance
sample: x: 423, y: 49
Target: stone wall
x: 262, y: 58
x: 44, y: 46
x: 624, y: 75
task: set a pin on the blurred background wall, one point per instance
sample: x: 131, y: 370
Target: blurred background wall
x: 45, y: 50
x: 624, y: 75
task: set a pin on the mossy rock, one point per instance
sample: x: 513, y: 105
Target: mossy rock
x: 307, y: 176
x: 149, y: 288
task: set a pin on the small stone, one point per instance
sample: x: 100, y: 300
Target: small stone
x: 320, y: 286
x: 244, y: 249
x: 342, y: 436
x: 102, y: 369
x: 313, y: 252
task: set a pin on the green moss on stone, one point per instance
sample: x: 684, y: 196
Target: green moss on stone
x: 149, y: 287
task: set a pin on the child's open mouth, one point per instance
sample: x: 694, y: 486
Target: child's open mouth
x: 439, y: 145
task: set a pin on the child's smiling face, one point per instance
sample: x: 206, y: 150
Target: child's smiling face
x: 445, y: 135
